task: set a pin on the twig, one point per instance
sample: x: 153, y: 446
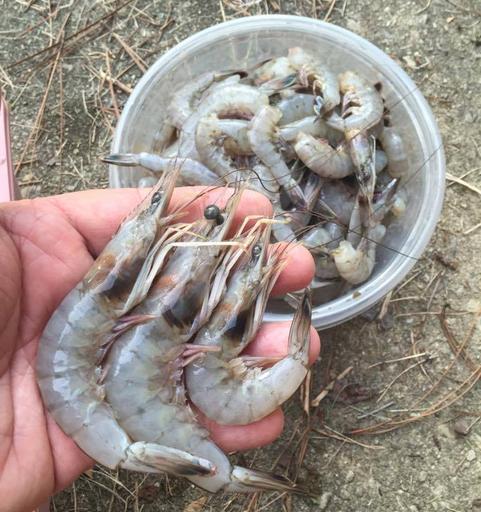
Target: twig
x: 115, y: 103
x: 389, y: 361
x: 329, y: 11
x: 459, y: 181
x: 73, y: 37
x: 329, y: 387
x: 132, y: 54
x: 375, y: 411
x: 341, y: 437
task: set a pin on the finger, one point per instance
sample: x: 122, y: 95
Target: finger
x: 272, y: 340
x: 298, y: 272
x: 96, y: 214
x: 232, y: 438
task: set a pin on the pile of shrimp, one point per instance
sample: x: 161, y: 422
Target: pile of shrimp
x: 320, y: 146
x: 159, y: 323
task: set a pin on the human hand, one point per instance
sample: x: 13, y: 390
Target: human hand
x: 46, y: 247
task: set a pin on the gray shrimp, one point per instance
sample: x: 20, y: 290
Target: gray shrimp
x: 221, y: 384
x: 76, y: 338
x: 322, y: 158
x: 296, y: 107
x: 190, y: 172
x: 183, y: 101
x: 311, y: 125
x: 262, y: 134
x: 146, y: 370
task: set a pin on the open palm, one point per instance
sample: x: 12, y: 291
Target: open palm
x: 46, y: 247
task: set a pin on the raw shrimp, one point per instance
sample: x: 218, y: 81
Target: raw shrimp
x: 322, y: 158
x: 209, y: 144
x: 322, y: 239
x: 238, y: 101
x: 395, y: 152
x: 311, y: 125
x: 312, y: 73
x: 336, y: 200
x: 191, y: 172
x: 143, y: 382
x: 74, y: 342
x: 296, y: 107
x: 262, y: 138
x: 276, y: 68
x: 356, y: 265
x: 220, y: 384
x: 182, y: 104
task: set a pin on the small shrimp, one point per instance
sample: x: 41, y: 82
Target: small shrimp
x: 336, y: 200
x: 356, y: 265
x: 209, y: 141
x: 182, y: 104
x: 296, y: 107
x: 311, y: 72
x: 221, y: 384
x: 191, y: 172
x: 237, y: 101
x: 262, y: 134
x: 394, y: 148
x: 73, y: 343
x: 323, y: 159
x: 322, y: 239
x: 311, y: 125
x: 276, y: 68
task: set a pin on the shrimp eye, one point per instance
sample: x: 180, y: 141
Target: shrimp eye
x: 220, y: 219
x: 156, y: 197
x: 212, y: 212
x: 256, y: 251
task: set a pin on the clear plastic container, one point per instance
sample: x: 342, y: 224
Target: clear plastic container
x: 246, y: 41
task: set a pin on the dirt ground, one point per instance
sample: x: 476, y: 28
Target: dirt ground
x: 63, y: 113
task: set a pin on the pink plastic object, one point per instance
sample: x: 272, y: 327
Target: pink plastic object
x: 7, y: 180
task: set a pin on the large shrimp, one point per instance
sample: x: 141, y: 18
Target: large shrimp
x: 221, y: 384
x: 191, y: 172
x: 143, y: 382
x: 396, y: 154
x: 262, y: 136
x: 74, y: 341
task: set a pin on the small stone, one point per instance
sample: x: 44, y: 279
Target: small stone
x: 350, y: 476
x: 471, y: 455
x: 461, y: 427
x: 422, y: 476
x: 324, y: 501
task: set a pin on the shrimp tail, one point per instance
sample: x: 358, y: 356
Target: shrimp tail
x: 299, y: 334
x: 123, y: 159
x: 250, y: 480
x: 150, y: 457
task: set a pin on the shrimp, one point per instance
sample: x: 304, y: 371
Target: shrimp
x: 311, y: 125
x: 394, y: 148
x: 209, y: 144
x: 276, y: 68
x: 336, y: 199
x: 182, y: 104
x: 143, y: 382
x: 310, y: 72
x: 356, y: 265
x: 296, y: 107
x: 191, y: 172
x: 322, y: 239
x: 220, y: 384
x: 323, y: 159
x: 73, y: 343
x: 261, y: 135
x: 238, y: 101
